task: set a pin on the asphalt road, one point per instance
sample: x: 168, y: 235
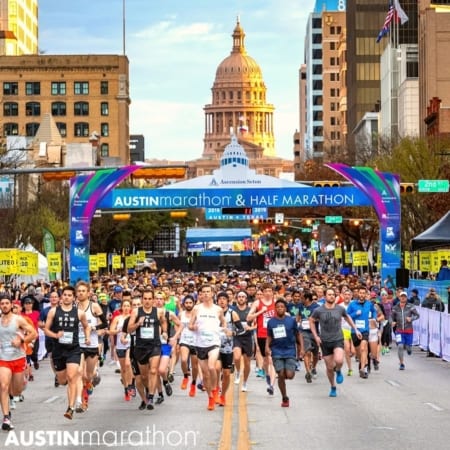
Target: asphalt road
x: 392, y: 409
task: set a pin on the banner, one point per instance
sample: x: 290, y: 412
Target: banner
x: 423, y: 320
x: 54, y: 262
x: 360, y: 259
x: 425, y: 261
x: 93, y: 263
x: 102, y: 260
x: 434, y: 332
x: 445, y: 336
x: 116, y: 261
x: 48, y: 243
x: 130, y: 261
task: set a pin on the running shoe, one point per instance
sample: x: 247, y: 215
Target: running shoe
x: 339, y: 377
x: 170, y: 377
x: 270, y: 389
x: 408, y: 350
x: 89, y: 388
x: 402, y: 367
x: 127, y: 396
x: 192, y: 390
x: 260, y: 373
x: 314, y: 372
x: 308, y: 377
x: 376, y: 365
x: 69, y: 414
x: 7, y: 424
x: 349, y: 372
x: 79, y: 408
x: 244, y: 387
x: 96, y: 380
x: 142, y: 406
x: 237, y: 378
x: 211, y: 403
x: 333, y: 392
x: 132, y: 390
x: 150, y: 405
x: 200, y: 386
x: 221, y: 400
x: 160, y: 399
x: 285, y: 402
x: 12, y: 403
x: 184, y: 383
x: 363, y: 374
x: 168, y: 389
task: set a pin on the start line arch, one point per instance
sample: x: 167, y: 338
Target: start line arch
x: 381, y: 190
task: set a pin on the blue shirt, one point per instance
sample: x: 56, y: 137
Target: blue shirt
x: 361, y: 313
x: 284, y: 337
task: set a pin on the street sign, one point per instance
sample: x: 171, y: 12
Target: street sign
x: 433, y: 186
x: 306, y: 230
x: 333, y: 219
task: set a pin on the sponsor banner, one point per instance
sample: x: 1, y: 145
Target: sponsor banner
x: 434, y: 332
x: 54, y: 262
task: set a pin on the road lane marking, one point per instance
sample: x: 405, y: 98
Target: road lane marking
x: 393, y: 383
x: 226, y: 436
x: 51, y: 399
x: 243, y: 432
x: 435, y: 407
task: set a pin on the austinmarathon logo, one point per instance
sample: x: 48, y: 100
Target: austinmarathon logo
x: 149, y: 437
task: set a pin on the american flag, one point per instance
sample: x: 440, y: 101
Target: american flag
x: 391, y: 15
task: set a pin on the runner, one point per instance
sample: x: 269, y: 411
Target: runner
x: 62, y: 324
x: 15, y: 333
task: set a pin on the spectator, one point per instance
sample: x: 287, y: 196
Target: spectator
x: 444, y: 272
x: 414, y: 299
x: 433, y: 301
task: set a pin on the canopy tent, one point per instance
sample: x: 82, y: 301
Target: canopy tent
x: 217, y: 234
x: 438, y: 235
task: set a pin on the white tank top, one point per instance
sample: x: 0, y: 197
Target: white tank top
x: 188, y: 337
x: 93, y: 322
x: 119, y: 344
x: 208, y: 332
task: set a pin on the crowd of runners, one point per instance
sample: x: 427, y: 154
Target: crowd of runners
x: 210, y: 326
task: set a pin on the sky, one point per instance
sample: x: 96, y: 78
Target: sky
x: 174, y: 48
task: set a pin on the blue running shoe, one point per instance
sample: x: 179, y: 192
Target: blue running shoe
x: 339, y: 377
x: 333, y: 392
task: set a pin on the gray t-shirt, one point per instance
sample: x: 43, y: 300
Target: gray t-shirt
x: 330, y: 321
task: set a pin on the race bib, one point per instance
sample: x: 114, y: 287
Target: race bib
x: 265, y: 321
x: 398, y: 338
x: 360, y: 323
x: 66, y: 338
x: 147, y: 333
x: 279, y: 332
x: 7, y: 347
x: 207, y: 336
x: 305, y: 324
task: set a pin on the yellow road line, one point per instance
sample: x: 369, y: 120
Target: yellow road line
x: 243, y: 434
x: 226, y: 436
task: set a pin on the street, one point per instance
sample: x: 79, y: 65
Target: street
x: 392, y: 409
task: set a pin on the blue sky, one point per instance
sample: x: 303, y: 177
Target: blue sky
x: 174, y: 48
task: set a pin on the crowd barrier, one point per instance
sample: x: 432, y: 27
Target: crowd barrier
x: 432, y: 332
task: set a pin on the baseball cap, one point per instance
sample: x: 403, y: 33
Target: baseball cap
x: 403, y: 293
x: 118, y: 289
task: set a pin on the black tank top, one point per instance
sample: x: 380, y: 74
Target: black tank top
x: 68, y: 322
x: 243, y: 319
x: 148, y: 333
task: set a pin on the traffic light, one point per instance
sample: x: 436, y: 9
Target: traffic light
x: 58, y: 176
x: 120, y: 217
x: 327, y: 184
x: 178, y: 214
x: 407, y: 188
x: 159, y: 172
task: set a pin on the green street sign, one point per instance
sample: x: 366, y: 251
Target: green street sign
x: 333, y: 219
x: 306, y: 230
x: 433, y: 186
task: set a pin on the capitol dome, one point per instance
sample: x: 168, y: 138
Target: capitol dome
x: 238, y: 65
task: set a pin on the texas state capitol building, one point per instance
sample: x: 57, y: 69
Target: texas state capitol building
x: 239, y: 103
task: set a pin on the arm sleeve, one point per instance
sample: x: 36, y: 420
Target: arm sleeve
x: 103, y: 322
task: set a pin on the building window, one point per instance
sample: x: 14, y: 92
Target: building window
x: 10, y: 129
x: 332, y: 45
x: 33, y: 109
x: 104, y: 129
x: 32, y: 88
x: 104, y: 150
x: 230, y: 94
x: 104, y: 88
x: 334, y: 92
x: 10, y: 88
x: 104, y: 109
x: 10, y: 109
x: 81, y: 108
x: 58, y: 88
x: 62, y: 128
x: 58, y: 109
x: 333, y: 106
x: 81, y: 129
x: 81, y: 88
x: 31, y: 129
